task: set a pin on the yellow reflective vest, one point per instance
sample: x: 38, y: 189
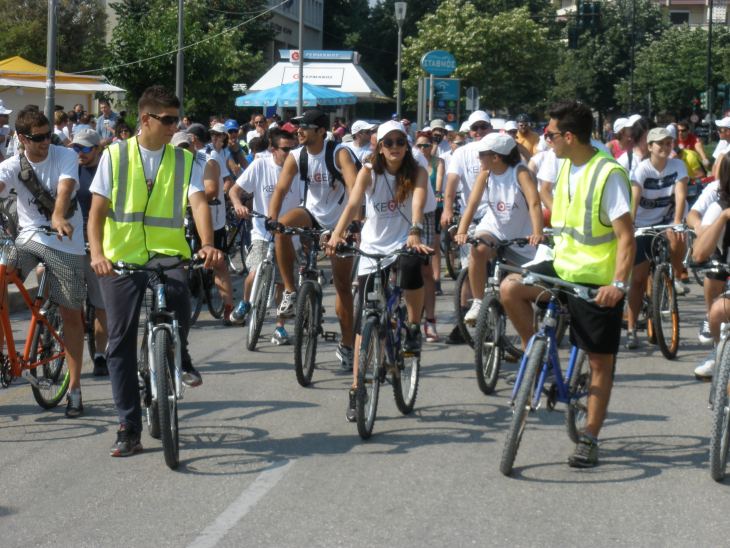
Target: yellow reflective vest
x: 144, y: 222
x: 585, y: 248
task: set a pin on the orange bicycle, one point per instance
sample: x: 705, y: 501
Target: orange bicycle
x: 43, y: 361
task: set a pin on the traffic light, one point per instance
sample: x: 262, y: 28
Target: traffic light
x: 703, y: 100
x: 723, y: 94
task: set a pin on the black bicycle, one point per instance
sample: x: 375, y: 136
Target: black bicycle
x: 201, y: 282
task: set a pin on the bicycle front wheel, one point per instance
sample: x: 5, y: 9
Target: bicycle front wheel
x: 452, y: 255
x: 665, y: 313
x: 90, y: 322
x: 150, y: 406
x: 164, y: 356
x: 720, y: 433
x: 462, y: 285
x: 522, y: 406
x: 368, y: 378
x: 259, y: 303
x: 197, y: 296
x: 52, y: 378
x: 406, y: 374
x: 306, y: 331
x: 213, y: 296
x: 487, y: 345
x: 576, y: 414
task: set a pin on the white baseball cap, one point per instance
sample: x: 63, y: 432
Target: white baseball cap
x: 438, y: 123
x: 619, y: 124
x: 387, y: 127
x: 4, y: 110
x: 723, y: 122
x: 501, y: 143
x: 449, y: 127
x: 181, y: 137
x: 479, y: 116
x: 361, y: 125
x: 219, y: 128
x: 671, y: 128
x: 510, y: 125
x: 634, y: 118
x: 465, y: 126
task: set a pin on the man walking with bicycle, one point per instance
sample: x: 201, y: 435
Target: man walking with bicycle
x: 140, y: 192
x: 594, y: 246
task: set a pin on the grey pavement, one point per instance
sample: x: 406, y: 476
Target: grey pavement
x: 266, y: 462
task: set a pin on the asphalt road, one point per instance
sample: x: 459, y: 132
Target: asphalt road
x: 268, y: 463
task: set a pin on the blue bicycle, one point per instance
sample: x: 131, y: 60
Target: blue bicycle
x: 383, y: 331
x: 541, y: 356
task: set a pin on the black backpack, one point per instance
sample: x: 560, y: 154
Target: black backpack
x: 329, y: 160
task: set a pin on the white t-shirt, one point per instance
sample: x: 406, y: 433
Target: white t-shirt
x: 259, y: 179
x: 325, y: 199
x: 151, y: 159
x: 657, y: 190
x: 252, y: 135
x: 444, y: 147
x: 362, y: 153
x: 61, y: 163
x: 636, y: 158
x: 465, y: 163
x: 708, y: 197
x: 711, y: 215
x: 218, y: 212
x: 720, y: 149
x: 616, y: 200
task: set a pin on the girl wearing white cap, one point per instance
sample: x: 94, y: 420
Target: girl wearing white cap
x: 514, y: 211
x: 393, y: 187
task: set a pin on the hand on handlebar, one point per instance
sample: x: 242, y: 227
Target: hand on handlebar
x: 334, y: 241
x: 536, y: 239
x: 101, y: 265
x: 211, y: 256
x: 241, y: 211
x: 273, y: 226
x: 414, y: 243
x: 461, y: 239
x: 608, y: 296
x: 62, y: 226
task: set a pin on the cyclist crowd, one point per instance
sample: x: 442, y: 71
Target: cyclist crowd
x: 125, y: 194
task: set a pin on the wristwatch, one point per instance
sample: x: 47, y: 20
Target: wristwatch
x: 416, y: 229
x: 618, y: 284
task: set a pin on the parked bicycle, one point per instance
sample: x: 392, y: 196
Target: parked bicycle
x: 201, y: 282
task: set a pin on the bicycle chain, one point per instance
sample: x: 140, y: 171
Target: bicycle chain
x: 5, y: 374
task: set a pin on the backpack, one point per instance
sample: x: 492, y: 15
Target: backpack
x: 329, y: 160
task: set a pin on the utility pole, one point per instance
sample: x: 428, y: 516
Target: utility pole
x: 300, y: 92
x: 51, y: 59
x: 708, y: 76
x: 180, y: 67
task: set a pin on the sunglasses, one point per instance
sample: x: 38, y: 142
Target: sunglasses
x: 184, y: 145
x: 233, y: 131
x: 459, y: 143
x: 480, y: 127
x: 259, y: 122
x: 38, y: 137
x: 682, y: 130
x: 390, y: 143
x: 550, y: 135
x: 78, y: 149
x: 286, y: 150
x: 307, y: 126
x: 424, y: 145
x: 165, y: 120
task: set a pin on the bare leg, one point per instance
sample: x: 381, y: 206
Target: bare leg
x: 636, y: 292
x: 342, y: 273
x: 73, y: 330
x: 599, y: 393
x: 517, y: 301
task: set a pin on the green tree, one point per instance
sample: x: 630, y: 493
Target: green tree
x: 149, y: 28
x: 673, y: 68
x: 507, y: 56
x: 81, y: 32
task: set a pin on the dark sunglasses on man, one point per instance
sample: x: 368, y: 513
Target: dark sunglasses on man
x: 165, y: 120
x: 38, y: 137
x: 80, y: 148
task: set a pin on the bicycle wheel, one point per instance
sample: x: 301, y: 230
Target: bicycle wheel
x: 368, y: 378
x: 522, y: 406
x: 259, y: 303
x: 52, y: 378
x: 406, y: 374
x: 462, y: 281
x: 166, y: 397
x: 90, y: 323
x: 152, y: 416
x: 720, y: 433
x: 452, y: 255
x: 487, y: 344
x: 576, y: 413
x: 665, y: 314
x: 213, y: 295
x: 306, y: 331
x: 195, y: 285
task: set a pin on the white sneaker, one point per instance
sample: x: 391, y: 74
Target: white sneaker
x: 680, y: 288
x: 473, y: 313
x: 287, y: 304
x: 704, y: 335
x: 703, y: 372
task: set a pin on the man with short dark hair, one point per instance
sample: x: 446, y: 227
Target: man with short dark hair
x: 525, y: 136
x: 361, y: 132
x: 258, y: 122
x: 106, y: 122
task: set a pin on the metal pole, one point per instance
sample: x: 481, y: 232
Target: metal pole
x: 398, y: 92
x: 300, y: 93
x: 430, y: 98
x: 633, y: 41
x: 421, y: 101
x: 708, y: 76
x: 180, y: 68
x: 51, y: 59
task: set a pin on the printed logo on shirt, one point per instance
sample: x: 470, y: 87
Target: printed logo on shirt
x: 320, y: 178
x: 650, y: 183
x: 502, y: 206
x: 649, y: 203
x: 389, y: 207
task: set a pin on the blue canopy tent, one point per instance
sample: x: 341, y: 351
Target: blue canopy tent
x: 286, y: 95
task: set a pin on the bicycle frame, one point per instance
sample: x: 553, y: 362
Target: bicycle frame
x: 162, y: 319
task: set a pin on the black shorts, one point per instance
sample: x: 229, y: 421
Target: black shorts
x: 438, y: 212
x: 219, y: 239
x: 643, y: 248
x: 593, y: 328
x: 314, y: 222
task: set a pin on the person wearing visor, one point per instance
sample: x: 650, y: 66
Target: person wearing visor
x: 393, y: 177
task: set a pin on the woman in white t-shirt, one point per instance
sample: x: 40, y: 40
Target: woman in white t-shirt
x: 394, y: 188
x: 513, y: 211
x: 659, y: 196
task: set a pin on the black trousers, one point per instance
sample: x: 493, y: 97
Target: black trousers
x: 123, y: 298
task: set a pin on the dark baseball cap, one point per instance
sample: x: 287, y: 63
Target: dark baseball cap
x: 199, y: 131
x: 314, y: 118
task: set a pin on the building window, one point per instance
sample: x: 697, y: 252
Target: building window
x: 679, y: 17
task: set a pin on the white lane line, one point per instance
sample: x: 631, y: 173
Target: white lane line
x: 264, y: 483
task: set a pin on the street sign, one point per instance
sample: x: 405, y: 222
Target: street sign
x: 446, y: 92
x: 472, y: 98
x: 438, y: 62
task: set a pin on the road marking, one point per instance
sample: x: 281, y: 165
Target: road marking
x: 264, y: 483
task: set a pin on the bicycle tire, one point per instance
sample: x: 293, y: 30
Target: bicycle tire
x: 522, y: 406
x: 406, y: 374
x: 53, y: 377
x: 195, y: 285
x: 576, y: 412
x: 466, y: 331
x: 452, y: 256
x: 150, y: 406
x: 488, y: 349
x: 665, y: 313
x: 166, y: 397
x: 212, y: 295
x: 647, y: 307
x: 368, y: 375
x: 306, y: 331
x: 259, y: 303
x: 720, y: 431
x: 90, y: 324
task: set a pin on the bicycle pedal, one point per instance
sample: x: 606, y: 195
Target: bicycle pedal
x: 329, y: 336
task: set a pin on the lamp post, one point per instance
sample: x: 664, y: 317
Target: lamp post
x: 180, y: 63
x: 51, y: 59
x: 400, y: 17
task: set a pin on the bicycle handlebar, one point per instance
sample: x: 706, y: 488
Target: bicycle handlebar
x: 530, y: 278
x: 123, y: 269
x: 655, y: 229
x: 344, y: 250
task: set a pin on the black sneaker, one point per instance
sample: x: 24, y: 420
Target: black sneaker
x: 351, y: 413
x: 74, y: 405
x: 455, y: 337
x: 190, y: 375
x: 412, y: 343
x: 586, y: 453
x: 100, y: 368
x: 128, y: 443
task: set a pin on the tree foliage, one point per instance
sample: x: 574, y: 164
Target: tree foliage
x: 507, y: 56
x: 81, y: 32
x: 147, y: 28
